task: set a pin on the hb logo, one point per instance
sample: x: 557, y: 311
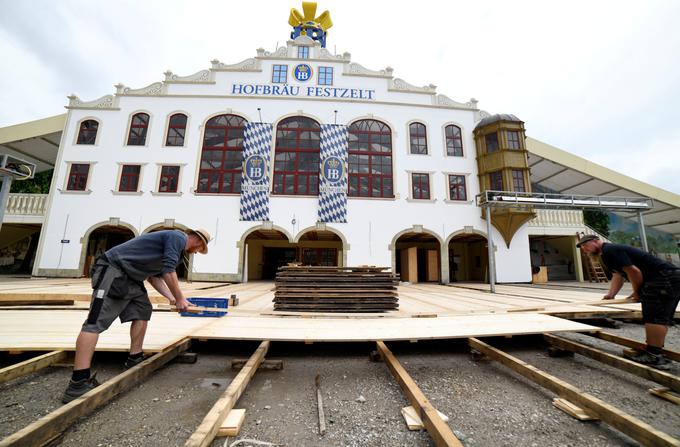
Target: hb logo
x: 333, y: 169
x: 302, y: 72
x: 254, y: 168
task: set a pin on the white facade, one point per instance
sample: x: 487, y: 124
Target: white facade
x: 373, y: 224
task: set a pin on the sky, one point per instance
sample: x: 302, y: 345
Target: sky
x: 599, y: 79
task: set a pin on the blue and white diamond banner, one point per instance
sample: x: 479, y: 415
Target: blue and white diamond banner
x: 333, y: 175
x: 257, y: 140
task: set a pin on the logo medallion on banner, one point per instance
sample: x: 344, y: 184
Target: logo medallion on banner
x: 333, y: 169
x: 255, y: 168
x: 303, y: 72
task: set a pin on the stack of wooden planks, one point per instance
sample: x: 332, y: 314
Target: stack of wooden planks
x: 335, y: 289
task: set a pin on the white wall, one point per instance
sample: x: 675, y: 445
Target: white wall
x: 372, y: 225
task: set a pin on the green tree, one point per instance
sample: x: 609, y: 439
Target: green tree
x: 597, y: 220
x: 40, y: 184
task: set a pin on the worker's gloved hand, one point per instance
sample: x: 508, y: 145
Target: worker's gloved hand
x: 182, y: 304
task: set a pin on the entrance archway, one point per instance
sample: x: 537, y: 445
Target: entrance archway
x: 468, y: 257
x: 265, y: 251
x: 102, y: 239
x: 417, y: 256
x: 320, y: 248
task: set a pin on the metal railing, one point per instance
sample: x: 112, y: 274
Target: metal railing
x: 547, y: 200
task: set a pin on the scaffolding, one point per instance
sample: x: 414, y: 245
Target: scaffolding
x: 525, y: 200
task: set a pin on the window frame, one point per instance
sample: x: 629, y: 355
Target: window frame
x: 224, y: 149
x: 423, y: 135
x: 369, y: 175
x: 325, y: 70
x: 276, y: 71
x: 303, y: 52
x: 177, y: 178
x: 515, y: 179
x: 119, y: 182
x: 519, y: 140
x: 411, y: 184
x: 449, y: 197
x: 88, y: 177
x: 79, y: 130
x: 446, y: 140
x: 169, y: 126
x: 297, y: 150
x: 486, y: 144
x: 491, y: 180
x: 131, y: 125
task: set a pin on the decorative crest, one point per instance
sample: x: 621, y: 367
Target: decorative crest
x: 308, y: 25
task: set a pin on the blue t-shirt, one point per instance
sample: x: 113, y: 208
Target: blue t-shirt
x: 150, y: 254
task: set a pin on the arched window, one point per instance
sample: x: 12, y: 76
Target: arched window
x: 370, y: 159
x: 296, y: 163
x: 138, y: 128
x: 418, y: 138
x: 177, y: 128
x: 222, y: 154
x: 88, y: 132
x: 454, y: 141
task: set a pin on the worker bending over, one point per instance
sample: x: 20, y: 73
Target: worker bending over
x: 118, y: 292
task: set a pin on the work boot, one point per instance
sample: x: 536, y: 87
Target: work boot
x: 77, y: 388
x: 132, y: 362
x: 658, y: 361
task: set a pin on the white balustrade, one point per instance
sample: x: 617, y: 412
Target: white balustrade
x: 557, y: 218
x: 22, y: 204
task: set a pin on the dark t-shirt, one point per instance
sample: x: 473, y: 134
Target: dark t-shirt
x: 150, y: 254
x: 616, y: 257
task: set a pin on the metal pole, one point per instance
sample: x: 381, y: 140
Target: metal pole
x: 489, y: 244
x: 643, y: 234
x: 4, y: 195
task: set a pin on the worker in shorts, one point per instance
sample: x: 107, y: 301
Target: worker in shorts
x: 118, y: 292
x: 656, y: 284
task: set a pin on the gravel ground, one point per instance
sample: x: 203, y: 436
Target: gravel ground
x: 488, y: 404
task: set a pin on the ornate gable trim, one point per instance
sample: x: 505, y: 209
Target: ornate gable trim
x: 201, y: 77
x: 399, y: 85
x: 155, y: 89
x: 251, y: 64
x: 355, y: 69
x: 107, y: 102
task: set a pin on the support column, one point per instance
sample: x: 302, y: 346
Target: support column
x: 643, y: 234
x: 489, y: 244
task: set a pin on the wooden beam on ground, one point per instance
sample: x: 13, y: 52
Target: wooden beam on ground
x: 625, y: 423
x: 52, y: 425
x: 266, y: 364
x: 440, y: 432
x: 646, y: 372
x: 206, y: 432
x: 665, y: 394
x: 31, y: 365
x: 576, y: 303
x: 673, y: 355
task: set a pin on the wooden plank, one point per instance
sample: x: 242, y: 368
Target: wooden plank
x: 440, y: 432
x: 673, y: 355
x: 207, y: 430
x: 646, y: 372
x: 266, y: 364
x: 232, y: 423
x: 666, y: 394
x: 413, y: 421
x: 319, y: 405
x: 589, y: 303
x: 52, y: 425
x: 31, y: 365
x: 573, y: 410
x: 631, y: 426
